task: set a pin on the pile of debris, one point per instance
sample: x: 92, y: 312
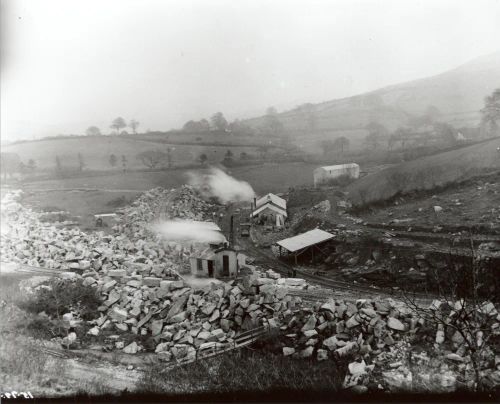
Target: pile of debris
x: 158, y: 203
x: 25, y: 239
x: 377, y: 338
x: 177, y: 319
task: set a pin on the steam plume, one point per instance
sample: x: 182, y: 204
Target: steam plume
x: 216, y: 183
x: 184, y: 230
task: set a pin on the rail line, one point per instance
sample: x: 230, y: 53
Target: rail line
x: 284, y: 268
x: 244, y: 339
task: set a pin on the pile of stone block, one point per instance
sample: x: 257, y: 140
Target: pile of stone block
x: 179, y: 319
x: 380, y: 333
x: 25, y: 239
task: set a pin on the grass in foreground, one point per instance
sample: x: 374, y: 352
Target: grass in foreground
x: 244, y: 371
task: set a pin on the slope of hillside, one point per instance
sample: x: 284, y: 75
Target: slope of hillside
x: 427, y: 172
x: 458, y: 94
x: 96, y: 151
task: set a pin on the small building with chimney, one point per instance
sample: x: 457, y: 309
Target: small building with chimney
x: 222, y: 262
x: 270, y: 210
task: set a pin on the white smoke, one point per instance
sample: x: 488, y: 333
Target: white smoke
x: 186, y: 230
x: 199, y: 283
x: 216, y: 183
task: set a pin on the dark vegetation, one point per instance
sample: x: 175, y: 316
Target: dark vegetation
x: 244, y: 371
x: 119, y: 202
x: 61, y: 296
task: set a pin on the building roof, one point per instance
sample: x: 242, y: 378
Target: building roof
x: 105, y: 215
x: 271, y: 206
x: 339, y: 166
x: 275, y: 199
x: 304, y: 240
x: 206, y: 254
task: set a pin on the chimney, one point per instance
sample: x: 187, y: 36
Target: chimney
x: 255, y: 203
x: 231, y: 232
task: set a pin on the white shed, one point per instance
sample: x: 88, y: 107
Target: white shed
x: 223, y: 262
x: 270, y: 209
x: 323, y: 174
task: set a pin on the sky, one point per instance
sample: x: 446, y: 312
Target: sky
x: 70, y: 64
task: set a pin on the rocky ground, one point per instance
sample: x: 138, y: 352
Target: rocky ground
x: 146, y: 307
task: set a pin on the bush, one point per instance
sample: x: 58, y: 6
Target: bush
x: 340, y: 181
x: 118, y: 202
x: 61, y: 296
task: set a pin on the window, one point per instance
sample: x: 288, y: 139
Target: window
x: 200, y: 264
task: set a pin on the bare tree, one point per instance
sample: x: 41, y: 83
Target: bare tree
x: 133, y: 124
x: 463, y: 311
x: 327, y: 146
x: 372, y: 140
x: 218, y: 121
x: 169, y: 156
x: 491, y: 113
x: 117, y: 124
x: 81, y: 162
x: 112, y: 160
x: 124, y: 162
x: 341, y: 143
x: 9, y: 163
x: 93, y: 131
x: 151, y: 158
x: 58, y: 164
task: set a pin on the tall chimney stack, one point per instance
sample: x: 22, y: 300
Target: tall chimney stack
x: 231, y: 232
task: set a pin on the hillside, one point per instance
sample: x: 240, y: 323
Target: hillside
x: 458, y: 94
x: 96, y: 151
x: 427, y: 172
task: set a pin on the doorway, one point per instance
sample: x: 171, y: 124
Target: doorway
x: 210, y: 269
x: 225, y: 265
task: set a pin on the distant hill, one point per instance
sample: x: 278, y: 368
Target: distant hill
x: 427, y: 172
x: 457, y: 94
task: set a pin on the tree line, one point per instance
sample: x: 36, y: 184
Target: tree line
x: 117, y: 124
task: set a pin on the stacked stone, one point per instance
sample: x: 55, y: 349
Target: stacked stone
x: 28, y: 241
x: 182, y: 320
x: 379, y: 332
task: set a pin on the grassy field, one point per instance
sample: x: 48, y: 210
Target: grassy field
x: 427, y: 172
x: 96, y: 151
x: 86, y: 196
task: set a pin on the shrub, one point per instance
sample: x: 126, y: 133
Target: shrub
x: 118, y: 202
x: 60, y: 296
x: 340, y: 181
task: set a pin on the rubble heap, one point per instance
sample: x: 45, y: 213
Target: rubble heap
x: 178, y: 319
x: 25, y: 239
x: 378, y: 335
x: 181, y: 203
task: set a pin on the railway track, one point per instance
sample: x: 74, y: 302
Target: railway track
x: 22, y: 268
x: 244, y: 339
x: 335, y: 284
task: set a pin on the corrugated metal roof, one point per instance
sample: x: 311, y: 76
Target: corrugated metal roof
x: 339, y: 166
x: 271, y: 198
x: 304, y: 240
